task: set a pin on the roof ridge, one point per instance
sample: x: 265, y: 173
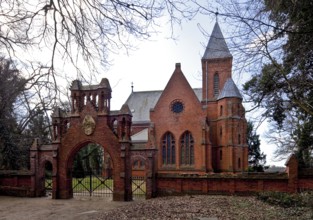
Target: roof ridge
x: 148, y: 91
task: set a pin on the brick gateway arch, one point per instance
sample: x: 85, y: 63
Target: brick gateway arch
x: 89, y: 121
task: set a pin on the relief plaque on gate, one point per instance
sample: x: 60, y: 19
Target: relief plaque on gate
x: 89, y: 125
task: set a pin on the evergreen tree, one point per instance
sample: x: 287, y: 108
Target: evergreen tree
x: 256, y: 159
x: 284, y: 87
x: 11, y: 87
x: 89, y: 158
x: 38, y: 127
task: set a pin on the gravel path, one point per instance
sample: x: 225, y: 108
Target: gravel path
x: 200, y: 207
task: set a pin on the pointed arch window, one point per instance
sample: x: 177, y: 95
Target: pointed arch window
x: 221, y: 110
x: 216, y: 84
x: 168, y: 149
x: 187, y: 149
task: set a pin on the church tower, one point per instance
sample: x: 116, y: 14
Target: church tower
x: 216, y: 65
x: 223, y: 103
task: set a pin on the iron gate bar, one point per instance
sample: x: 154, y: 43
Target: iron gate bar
x: 92, y: 184
x: 48, y: 184
x: 138, y: 186
x: 80, y: 182
x: 102, y: 182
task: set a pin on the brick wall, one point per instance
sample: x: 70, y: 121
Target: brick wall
x: 16, y: 183
x: 219, y: 184
x: 19, y: 183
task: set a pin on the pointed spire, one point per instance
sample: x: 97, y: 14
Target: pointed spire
x: 230, y: 90
x: 217, y: 47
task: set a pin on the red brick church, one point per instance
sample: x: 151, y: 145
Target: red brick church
x: 179, y: 140
x: 193, y: 131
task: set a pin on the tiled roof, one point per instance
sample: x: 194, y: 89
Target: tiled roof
x: 217, y: 47
x: 140, y: 103
x: 230, y: 90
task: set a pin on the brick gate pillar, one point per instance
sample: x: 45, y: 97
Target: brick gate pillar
x: 122, y: 188
x: 34, y: 167
x: 150, y: 177
x: 292, y: 171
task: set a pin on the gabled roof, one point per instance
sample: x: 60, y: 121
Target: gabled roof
x: 217, y: 47
x: 230, y: 90
x: 140, y: 103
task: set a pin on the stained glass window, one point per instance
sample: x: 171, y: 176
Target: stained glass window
x: 187, y: 149
x: 168, y: 149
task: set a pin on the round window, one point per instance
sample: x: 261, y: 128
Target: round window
x: 177, y: 106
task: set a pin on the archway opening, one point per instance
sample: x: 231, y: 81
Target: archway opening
x: 48, y: 178
x: 92, y: 172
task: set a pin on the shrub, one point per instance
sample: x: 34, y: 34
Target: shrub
x: 285, y: 200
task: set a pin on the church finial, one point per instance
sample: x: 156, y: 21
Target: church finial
x: 132, y: 86
x: 216, y: 14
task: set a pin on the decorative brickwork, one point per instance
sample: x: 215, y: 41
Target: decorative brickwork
x: 90, y: 121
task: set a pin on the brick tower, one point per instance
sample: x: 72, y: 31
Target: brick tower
x: 223, y: 101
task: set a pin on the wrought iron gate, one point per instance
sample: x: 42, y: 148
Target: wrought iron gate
x: 138, y: 187
x: 48, y: 185
x: 92, y: 183
x: 48, y: 178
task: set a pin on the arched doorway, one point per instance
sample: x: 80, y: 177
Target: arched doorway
x: 92, y: 172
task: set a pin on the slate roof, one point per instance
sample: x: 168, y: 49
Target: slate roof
x: 140, y: 103
x: 230, y: 90
x: 140, y: 136
x: 217, y: 47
